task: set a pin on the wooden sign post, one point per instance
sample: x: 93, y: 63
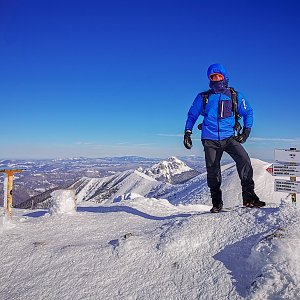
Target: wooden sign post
x: 9, y: 192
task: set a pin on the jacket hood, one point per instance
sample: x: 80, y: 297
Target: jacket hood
x: 217, y: 68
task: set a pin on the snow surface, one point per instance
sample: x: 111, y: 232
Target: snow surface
x: 148, y: 248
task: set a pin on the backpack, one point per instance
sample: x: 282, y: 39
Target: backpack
x: 237, y: 126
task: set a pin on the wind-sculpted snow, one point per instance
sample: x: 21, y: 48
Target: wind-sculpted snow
x: 279, y: 255
x: 136, y: 244
x: 150, y: 249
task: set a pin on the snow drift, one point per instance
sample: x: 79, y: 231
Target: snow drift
x: 150, y: 249
x: 63, y: 202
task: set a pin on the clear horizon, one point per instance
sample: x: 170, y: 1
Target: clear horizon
x: 100, y: 78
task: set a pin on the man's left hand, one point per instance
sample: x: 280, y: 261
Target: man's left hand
x: 241, y: 138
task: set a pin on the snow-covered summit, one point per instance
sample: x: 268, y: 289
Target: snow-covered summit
x: 167, y: 169
x: 106, y: 189
x: 147, y: 248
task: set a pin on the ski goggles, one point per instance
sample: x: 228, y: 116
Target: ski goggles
x: 216, y: 77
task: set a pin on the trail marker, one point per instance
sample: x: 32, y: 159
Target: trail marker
x: 9, y: 191
x: 287, y: 186
x: 270, y: 169
x: 289, y: 165
x: 286, y: 170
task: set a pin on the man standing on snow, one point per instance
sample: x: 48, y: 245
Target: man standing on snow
x: 218, y: 135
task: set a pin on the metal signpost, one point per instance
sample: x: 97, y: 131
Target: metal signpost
x: 288, y: 165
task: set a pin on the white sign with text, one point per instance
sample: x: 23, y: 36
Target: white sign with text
x: 286, y: 170
x: 287, y: 186
x: 290, y: 156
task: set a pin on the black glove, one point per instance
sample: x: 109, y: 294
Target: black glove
x: 241, y: 138
x: 187, y: 141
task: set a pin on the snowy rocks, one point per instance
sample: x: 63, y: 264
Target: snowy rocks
x: 63, y: 202
x: 167, y: 168
x: 171, y: 170
x: 127, y: 196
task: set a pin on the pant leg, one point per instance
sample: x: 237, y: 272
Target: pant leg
x: 244, y: 168
x: 213, y: 153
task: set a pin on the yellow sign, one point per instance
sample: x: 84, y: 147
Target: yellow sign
x: 9, y: 192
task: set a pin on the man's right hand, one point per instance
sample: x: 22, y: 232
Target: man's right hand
x: 187, y: 141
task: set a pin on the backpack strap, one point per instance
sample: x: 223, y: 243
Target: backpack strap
x: 205, y: 96
x: 237, y: 125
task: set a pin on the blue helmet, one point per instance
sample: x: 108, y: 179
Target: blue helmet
x: 217, y: 68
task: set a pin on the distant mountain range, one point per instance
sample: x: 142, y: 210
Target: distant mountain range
x: 170, y: 179
x: 106, y: 188
x: 41, y: 176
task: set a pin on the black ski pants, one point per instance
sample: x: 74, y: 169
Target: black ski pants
x: 213, y: 154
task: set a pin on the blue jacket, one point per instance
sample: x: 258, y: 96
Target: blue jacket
x: 218, y: 115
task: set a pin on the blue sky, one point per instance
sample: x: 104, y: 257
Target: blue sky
x: 105, y: 78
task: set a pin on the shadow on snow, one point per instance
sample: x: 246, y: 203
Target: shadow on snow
x: 36, y: 214
x: 112, y: 209
x: 236, y: 257
x: 129, y: 210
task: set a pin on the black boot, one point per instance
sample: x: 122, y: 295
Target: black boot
x: 250, y: 199
x: 254, y: 203
x: 216, y: 196
x: 217, y: 207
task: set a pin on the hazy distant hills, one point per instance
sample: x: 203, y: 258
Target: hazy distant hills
x: 171, y: 179
x: 42, y: 176
x: 104, y: 179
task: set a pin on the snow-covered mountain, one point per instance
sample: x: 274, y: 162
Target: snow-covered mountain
x: 41, y: 176
x: 171, y: 170
x: 193, y: 191
x: 106, y: 189
x: 152, y: 181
